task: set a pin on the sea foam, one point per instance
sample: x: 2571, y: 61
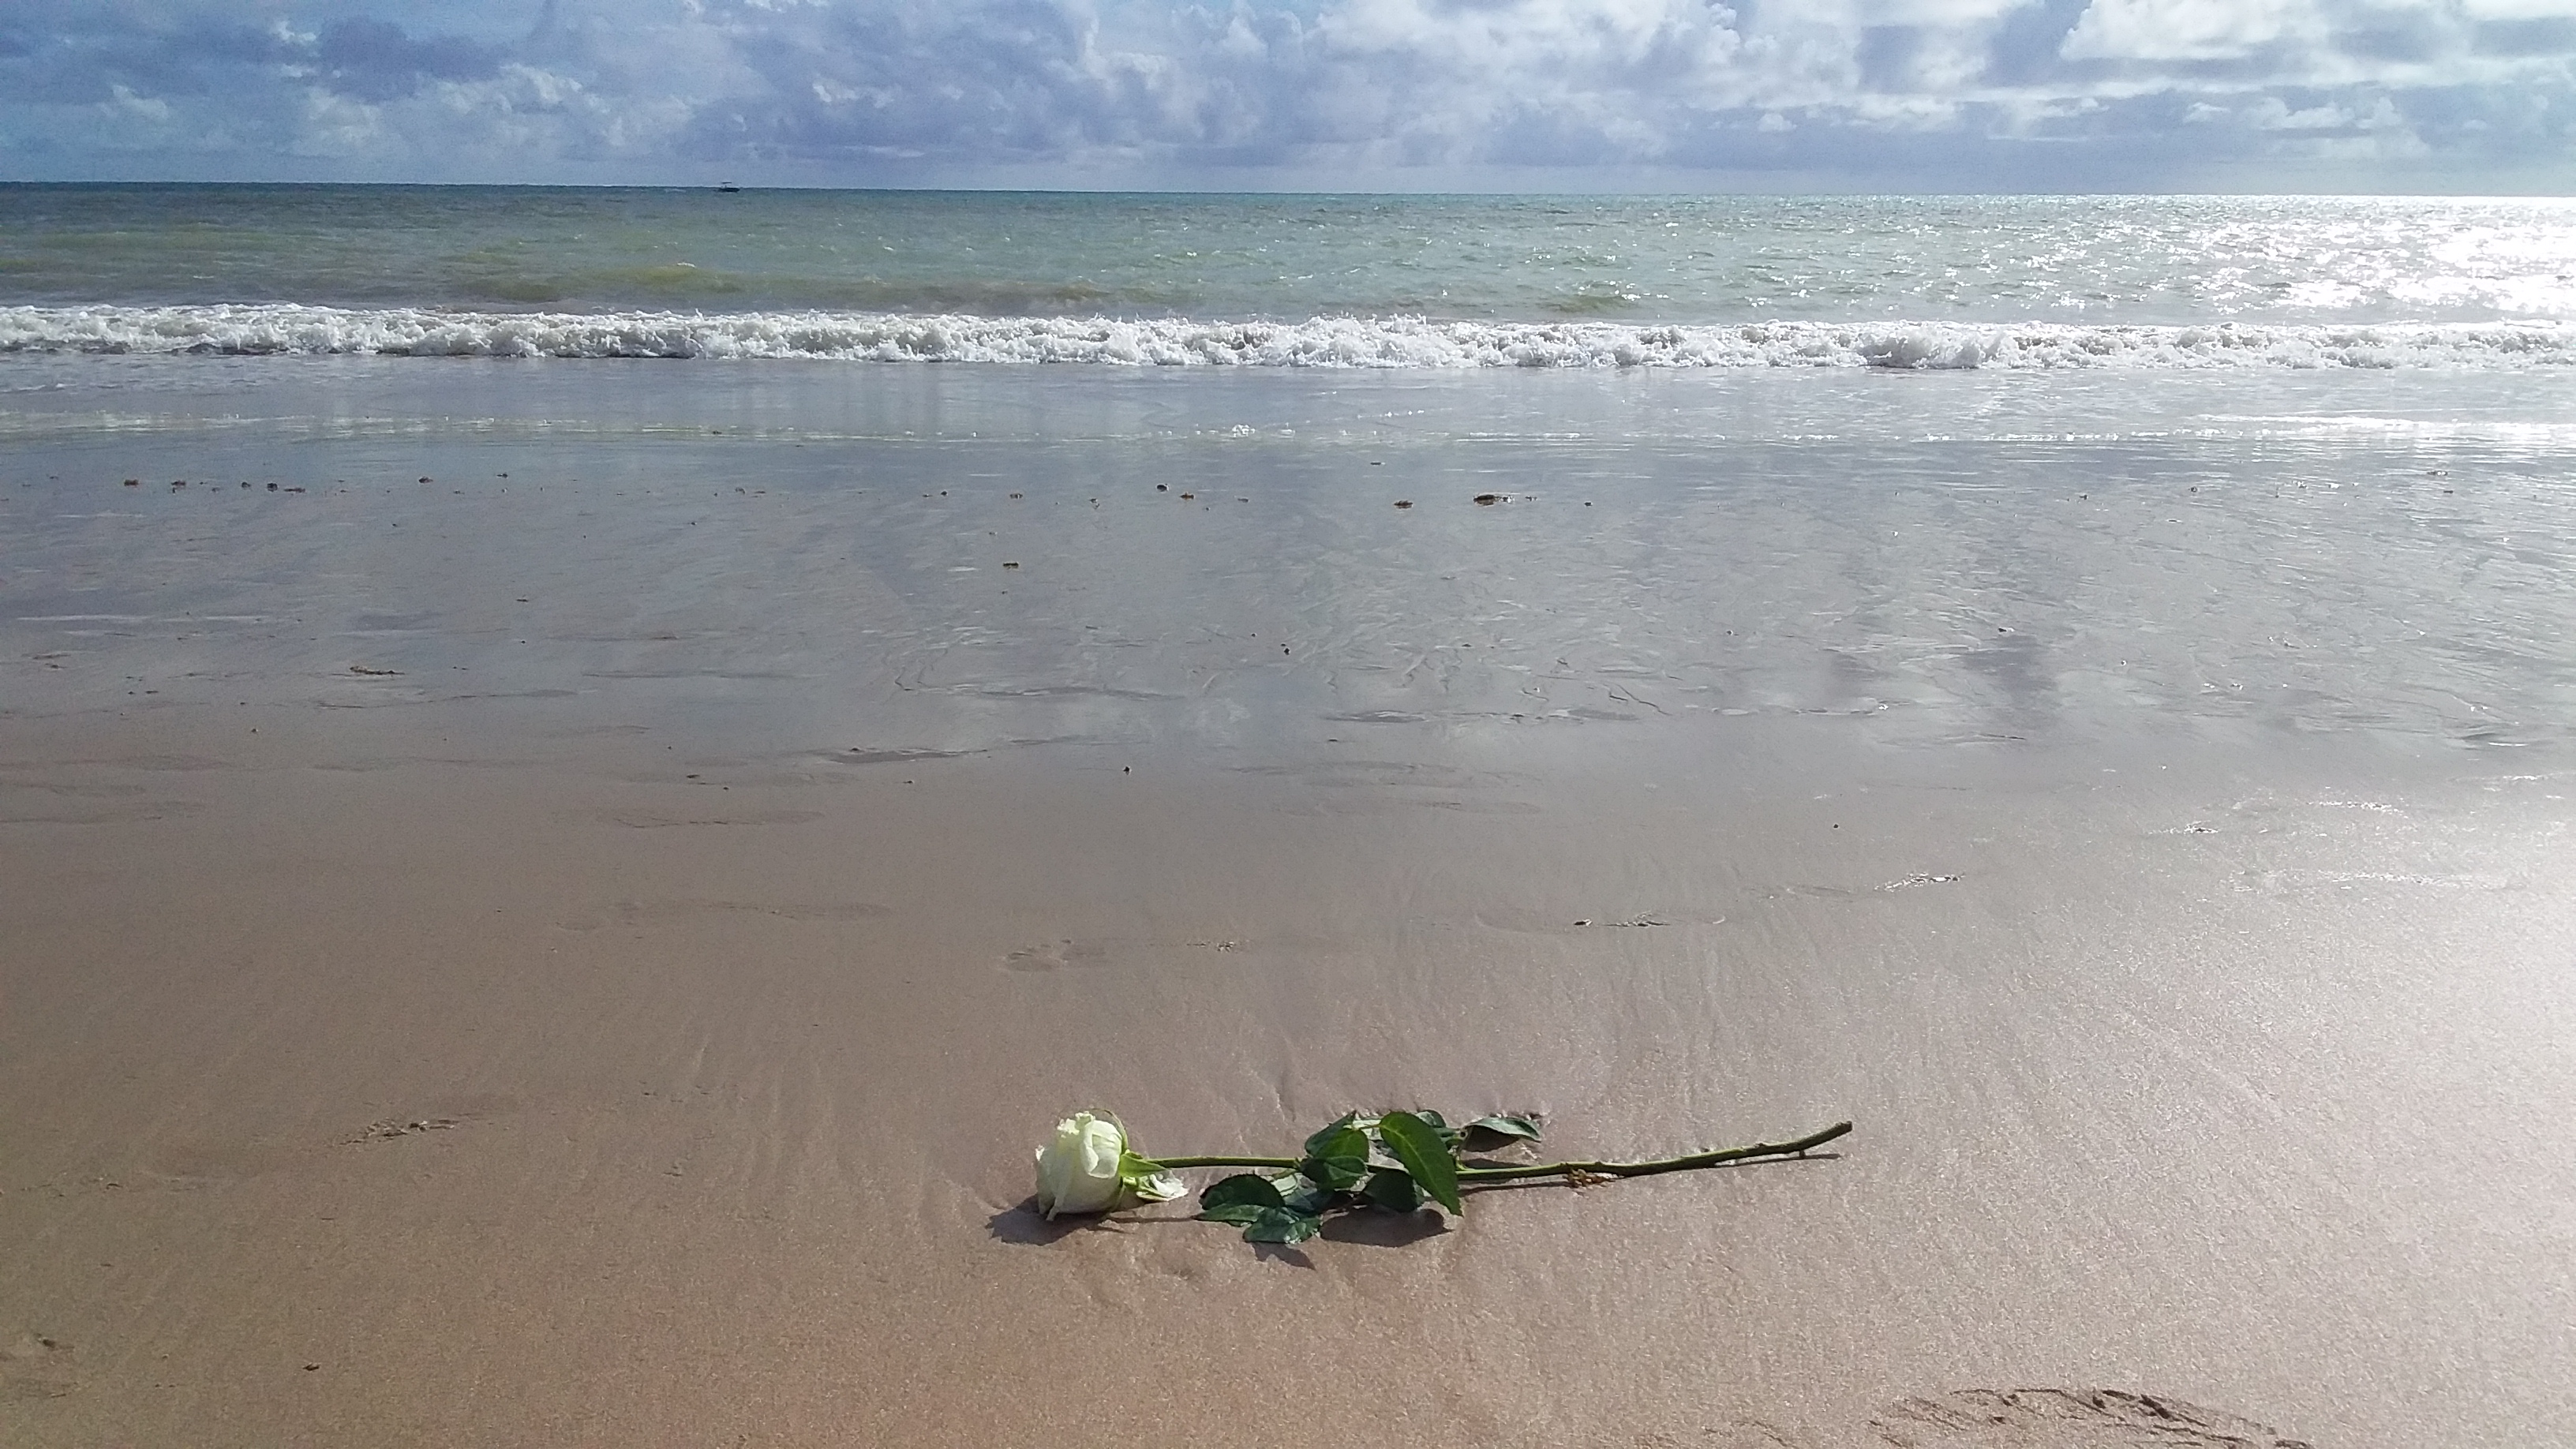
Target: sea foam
x: 1379, y: 342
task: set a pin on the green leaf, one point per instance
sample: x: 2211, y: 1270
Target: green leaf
x: 1239, y: 1190
x: 1297, y: 1193
x: 1283, y: 1226
x: 1338, y: 1160
x: 1240, y: 1214
x: 1393, y: 1189
x: 1418, y: 1145
x: 1487, y: 1133
x: 1330, y: 1131
x: 1448, y: 1134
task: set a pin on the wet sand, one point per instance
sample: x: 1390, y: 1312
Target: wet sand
x: 624, y: 1016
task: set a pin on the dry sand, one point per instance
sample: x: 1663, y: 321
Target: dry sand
x: 388, y: 1059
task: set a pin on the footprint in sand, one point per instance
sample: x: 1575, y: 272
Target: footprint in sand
x: 393, y: 1129
x: 1053, y: 956
x: 35, y: 1366
x: 2066, y: 1419
x: 444, y: 1115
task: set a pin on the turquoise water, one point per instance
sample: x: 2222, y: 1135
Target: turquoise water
x: 1383, y: 281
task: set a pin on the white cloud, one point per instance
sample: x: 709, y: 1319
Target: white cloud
x: 337, y: 126
x: 2275, y: 115
x: 2188, y: 29
x: 2143, y: 93
x: 124, y: 105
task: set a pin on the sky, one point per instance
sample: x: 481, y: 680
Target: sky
x: 2460, y: 96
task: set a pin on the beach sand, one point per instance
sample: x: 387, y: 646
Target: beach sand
x: 582, y: 958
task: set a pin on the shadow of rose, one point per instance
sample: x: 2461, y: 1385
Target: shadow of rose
x: 1384, y: 1229
x: 1023, y: 1223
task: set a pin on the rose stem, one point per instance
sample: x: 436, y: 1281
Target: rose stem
x: 1559, y: 1169
x: 1668, y: 1164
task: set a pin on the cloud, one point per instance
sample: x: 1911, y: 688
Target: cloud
x: 2538, y: 35
x: 1895, y: 94
x: 2162, y: 30
x: 375, y: 60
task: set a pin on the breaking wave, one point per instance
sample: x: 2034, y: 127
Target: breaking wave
x: 1381, y: 342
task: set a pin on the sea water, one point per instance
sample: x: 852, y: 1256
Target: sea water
x: 1946, y: 471
x: 1291, y: 280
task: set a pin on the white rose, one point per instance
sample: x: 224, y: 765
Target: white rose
x: 1088, y: 1168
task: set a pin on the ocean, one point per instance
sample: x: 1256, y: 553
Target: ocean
x: 2200, y: 459
x: 1936, y: 282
